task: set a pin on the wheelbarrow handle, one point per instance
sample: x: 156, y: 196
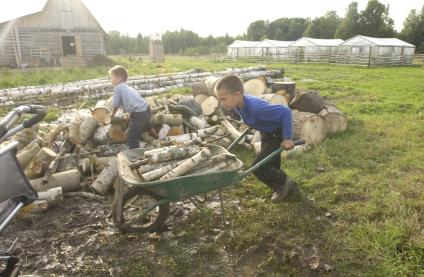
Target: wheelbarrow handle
x: 266, y: 159
x: 245, y: 132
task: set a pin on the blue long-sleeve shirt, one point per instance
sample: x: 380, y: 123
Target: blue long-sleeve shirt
x: 264, y: 117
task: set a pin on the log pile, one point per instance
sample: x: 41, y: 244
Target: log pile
x: 77, y: 153
x: 102, y: 89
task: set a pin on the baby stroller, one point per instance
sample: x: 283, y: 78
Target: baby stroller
x: 15, y: 189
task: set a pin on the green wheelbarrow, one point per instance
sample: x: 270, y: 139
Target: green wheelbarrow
x: 144, y: 206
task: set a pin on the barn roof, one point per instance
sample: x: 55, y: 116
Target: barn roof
x: 26, y: 8
x: 357, y: 40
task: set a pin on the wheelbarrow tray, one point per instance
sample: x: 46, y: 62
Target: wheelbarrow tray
x: 183, y: 187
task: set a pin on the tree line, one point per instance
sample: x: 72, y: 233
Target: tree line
x: 373, y: 21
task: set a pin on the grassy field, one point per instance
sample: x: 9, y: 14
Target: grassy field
x: 362, y: 216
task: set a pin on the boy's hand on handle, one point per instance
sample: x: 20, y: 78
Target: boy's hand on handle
x: 287, y: 144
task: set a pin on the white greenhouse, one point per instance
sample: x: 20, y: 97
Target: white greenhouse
x: 274, y: 48
x: 243, y: 48
x: 375, y: 51
x: 313, y: 50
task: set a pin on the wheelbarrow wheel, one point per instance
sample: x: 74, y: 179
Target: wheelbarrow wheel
x: 134, y: 203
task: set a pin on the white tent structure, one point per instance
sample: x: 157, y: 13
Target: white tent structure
x: 274, y: 48
x: 313, y: 50
x: 375, y: 51
x: 243, y: 48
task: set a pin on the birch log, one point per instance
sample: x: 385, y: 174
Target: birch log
x: 106, y: 178
x: 159, y: 172
x: 234, y: 133
x: 335, y: 120
x: 210, y: 106
x: 198, y: 122
x: 274, y: 99
x: 174, y: 154
x: 39, y: 164
x: 27, y: 154
x: 309, y: 127
x: 255, y: 87
x: 101, y: 112
x: 170, y: 119
x: 200, y: 98
x: 188, y: 165
x: 68, y: 180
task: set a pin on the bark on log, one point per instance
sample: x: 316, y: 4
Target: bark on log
x: 310, y: 102
x: 25, y: 136
x: 199, y: 89
x: 149, y: 139
x: 80, y: 133
x: 309, y: 127
x: 51, y: 195
x: 198, y: 122
x: 286, y: 89
x: 335, y: 120
x: 170, y: 119
x: 163, y: 132
x: 176, y: 131
x: 181, y: 138
x: 27, y: 154
x: 159, y: 172
x: 39, y: 164
x: 210, y: 106
x: 68, y: 180
x: 210, y: 162
x: 211, y: 82
x: 274, y: 99
x: 109, y: 134
x: 207, y: 132
x: 188, y: 165
x: 106, y: 178
x: 101, y: 112
x: 234, y: 133
x: 174, y: 154
x: 122, y: 120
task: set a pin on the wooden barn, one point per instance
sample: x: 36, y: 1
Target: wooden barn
x: 62, y: 32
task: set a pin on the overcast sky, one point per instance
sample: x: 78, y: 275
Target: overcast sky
x: 216, y: 17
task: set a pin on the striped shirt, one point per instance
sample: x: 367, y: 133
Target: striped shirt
x: 128, y: 99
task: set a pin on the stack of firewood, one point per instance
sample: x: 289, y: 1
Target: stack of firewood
x: 78, y: 151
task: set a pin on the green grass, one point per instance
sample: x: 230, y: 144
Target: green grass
x: 372, y: 186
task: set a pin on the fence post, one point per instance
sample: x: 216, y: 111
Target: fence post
x: 369, y: 58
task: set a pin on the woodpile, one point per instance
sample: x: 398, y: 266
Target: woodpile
x: 76, y: 155
x: 102, y: 89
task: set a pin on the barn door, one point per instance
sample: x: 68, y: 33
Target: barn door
x: 69, y: 46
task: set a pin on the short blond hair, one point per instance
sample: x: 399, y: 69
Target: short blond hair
x: 119, y: 71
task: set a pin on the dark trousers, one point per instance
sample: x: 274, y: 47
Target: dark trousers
x: 270, y: 173
x: 139, y: 123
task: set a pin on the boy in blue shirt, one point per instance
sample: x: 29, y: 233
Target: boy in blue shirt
x: 131, y: 102
x: 275, y: 124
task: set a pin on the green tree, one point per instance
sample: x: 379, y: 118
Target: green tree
x: 375, y: 21
x: 413, y: 30
x: 324, y: 26
x: 257, y: 30
x: 349, y: 26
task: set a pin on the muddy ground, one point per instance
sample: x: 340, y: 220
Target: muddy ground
x: 73, y: 238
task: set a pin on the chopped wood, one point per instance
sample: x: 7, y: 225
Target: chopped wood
x: 309, y: 127
x: 188, y: 165
x: 174, y: 154
x: 310, y: 102
x: 51, y: 195
x: 170, y: 119
x: 335, y: 120
x: 210, y: 106
x: 106, y: 178
x: 39, y: 164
